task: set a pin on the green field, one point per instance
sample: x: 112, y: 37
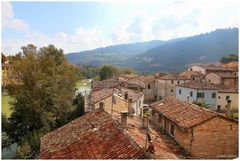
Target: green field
x: 5, y: 105
x: 81, y: 83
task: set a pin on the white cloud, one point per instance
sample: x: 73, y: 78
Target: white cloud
x: 8, y: 19
x: 82, y: 39
x: 179, y: 19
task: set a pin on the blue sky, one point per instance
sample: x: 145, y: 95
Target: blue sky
x: 77, y: 26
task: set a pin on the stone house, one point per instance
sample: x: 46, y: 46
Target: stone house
x: 206, y: 69
x: 194, y: 129
x: 225, y: 79
x: 224, y: 95
x: 166, y: 85
x: 193, y: 75
x: 150, y: 92
x: 198, y: 92
x: 118, y: 100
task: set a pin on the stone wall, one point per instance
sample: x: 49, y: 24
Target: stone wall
x: 214, y: 139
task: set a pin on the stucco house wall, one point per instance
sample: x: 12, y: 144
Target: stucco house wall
x: 185, y: 92
x: 222, y: 102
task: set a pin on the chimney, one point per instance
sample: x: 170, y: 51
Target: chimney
x: 145, y: 122
x: 228, y: 107
x: 126, y: 95
x: 188, y: 98
x: 124, y: 119
x: 130, y: 107
x: 101, y: 106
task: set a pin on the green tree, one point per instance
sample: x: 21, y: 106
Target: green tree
x: 127, y: 71
x: 229, y: 58
x: 43, y: 85
x: 107, y: 71
x: 79, y: 103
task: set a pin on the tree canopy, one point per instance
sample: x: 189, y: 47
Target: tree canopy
x: 229, y: 58
x: 43, y: 85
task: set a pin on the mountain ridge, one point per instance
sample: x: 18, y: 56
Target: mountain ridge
x: 171, y: 55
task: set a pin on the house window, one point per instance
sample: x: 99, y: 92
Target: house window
x: 227, y: 97
x: 172, y: 81
x: 191, y: 94
x: 213, y: 95
x: 178, y: 82
x: 172, y: 130
x: 209, y: 80
x: 219, y: 97
x: 193, y: 78
x: 179, y: 91
x: 200, y: 95
x: 139, y: 103
x: 218, y: 107
x: 171, y: 90
x: 149, y: 86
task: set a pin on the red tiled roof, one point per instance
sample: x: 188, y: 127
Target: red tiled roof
x: 215, y: 68
x: 174, y: 77
x: 227, y: 75
x: 129, y: 76
x: 165, y: 148
x: 199, y: 85
x: 108, y: 83
x: 77, y: 140
x: 101, y: 94
x: 184, y: 114
x: 135, y: 82
x: 189, y: 74
x: 225, y: 89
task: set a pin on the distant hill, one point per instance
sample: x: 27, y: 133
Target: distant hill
x: 204, y: 48
x: 157, y: 55
x: 115, y: 54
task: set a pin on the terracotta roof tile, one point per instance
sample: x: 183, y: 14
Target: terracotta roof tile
x: 227, y: 75
x: 199, y: 85
x: 184, y: 114
x: 77, y: 140
x: 165, y: 148
x: 129, y: 76
x: 189, y: 74
x: 215, y: 68
x: 174, y: 77
x: 101, y: 94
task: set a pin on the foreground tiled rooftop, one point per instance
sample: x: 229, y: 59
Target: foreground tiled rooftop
x: 79, y: 140
x: 184, y: 114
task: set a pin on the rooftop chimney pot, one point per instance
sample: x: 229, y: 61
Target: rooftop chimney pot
x: 126, y: 95
x: 101, y: 106
x: 124, y: 119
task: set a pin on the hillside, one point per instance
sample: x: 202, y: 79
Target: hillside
x: 204, y: 48
x: 173, y: 55
x: 115, y: 54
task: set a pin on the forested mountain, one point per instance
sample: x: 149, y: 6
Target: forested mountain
x: 173, y: 55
